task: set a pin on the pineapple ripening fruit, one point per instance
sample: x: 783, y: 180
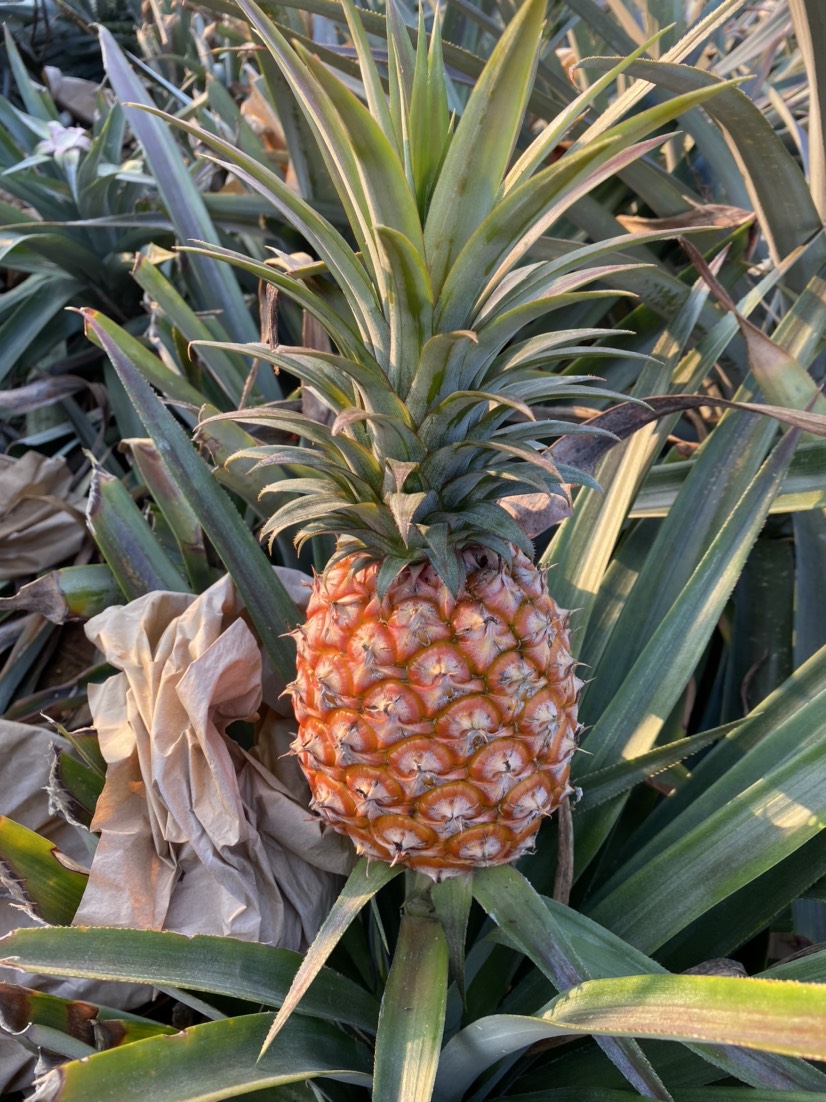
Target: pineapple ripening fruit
x: 436, y: 728
x: 436, y: 694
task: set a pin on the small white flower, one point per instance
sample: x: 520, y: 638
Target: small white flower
x: 62, y: 139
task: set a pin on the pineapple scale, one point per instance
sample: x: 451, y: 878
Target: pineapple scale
x: 436, y: 731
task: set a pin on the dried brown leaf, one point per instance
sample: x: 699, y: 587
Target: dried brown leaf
x: 623, y: 420
x: 41, y: 522
x: 536, y: 513
x: 710, y: 215
x: 42, y: 392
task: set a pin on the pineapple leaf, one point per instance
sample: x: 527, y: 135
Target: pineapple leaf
x: 538, y: 286
x: 185, y: 203
x: 301, y: 511
x: 777, y: 187
x: 364, y: 166
x: 682, y: 635
x: 73, y: 592
x: 180, y: 517
x: 74, y: 785
x: 324, y: 370
x: 49, y: 1021
x: 272, y: 455
x: 227, y: 371
x: 127, y: 543
x: 780, y: 377
x: 476, y: 160
x: 803, y: 490
x: 444, y: 555
x: 429, y: 120
x: 172, y: 385
x: 503, y: 227
x: 338, y: 327
x: 36, y: 874
x: 619, y: 778
x: 349, y: 484
x: 747, y: 1012
x: 445, y: 422
x: 738, y: 772
x: 383, y: 427
x: 452, y: 900
x: 523, y: 216
x: 270, y: 606
x: 388, y: 199
x: 531, y: 352
x: 413, y: 1012
x: 210, y: 1061
x: 491, y: 519
x: 441, y: 370
x: 411, y: 316
x: 340, y: 448
x: 36, y: 101
x: 306, y: 486
x: 758, y: 1013
x: 514, y: 906
x: 810, y: 31
x: 373, y: 88
x: 528, y: 210
x: 321, y: 234
x: 404, y: 507
x: 608, y: 956
x: 623, y: 421
x: 391, y: 567
x: 362, y: 884
x: 747, y: 828
x: 526, y: 454
x: 545, y: 143
x: 533, y: 430
x: 217, y: 965
x: 401, y: 67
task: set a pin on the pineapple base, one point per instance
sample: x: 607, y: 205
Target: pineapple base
x: 436, y: 731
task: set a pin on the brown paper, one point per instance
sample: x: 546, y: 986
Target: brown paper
x: 36, y: 532
x: 197, y: 835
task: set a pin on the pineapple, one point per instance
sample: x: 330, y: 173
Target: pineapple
x: 436, y: 694
x: 436, y: 729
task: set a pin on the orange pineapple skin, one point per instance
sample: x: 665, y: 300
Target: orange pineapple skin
x: 436, y: 732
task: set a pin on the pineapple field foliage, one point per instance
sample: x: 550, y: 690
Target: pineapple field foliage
x: 687, y: 881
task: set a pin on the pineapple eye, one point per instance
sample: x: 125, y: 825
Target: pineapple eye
x: 480, y: 844
x: 529, y: 799
x: 401, y: 834
x: 420, y: 755
x: 502, y: 756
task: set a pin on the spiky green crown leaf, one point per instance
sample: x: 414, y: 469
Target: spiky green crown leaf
x: 431, y: 394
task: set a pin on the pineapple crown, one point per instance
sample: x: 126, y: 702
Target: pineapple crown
x: 431, y: 393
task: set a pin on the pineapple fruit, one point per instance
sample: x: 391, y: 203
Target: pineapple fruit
x: 436, y: 730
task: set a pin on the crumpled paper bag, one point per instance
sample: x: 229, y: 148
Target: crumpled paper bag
x: 196, y: 834
x: 36, y: 531
x: 25, y: 752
